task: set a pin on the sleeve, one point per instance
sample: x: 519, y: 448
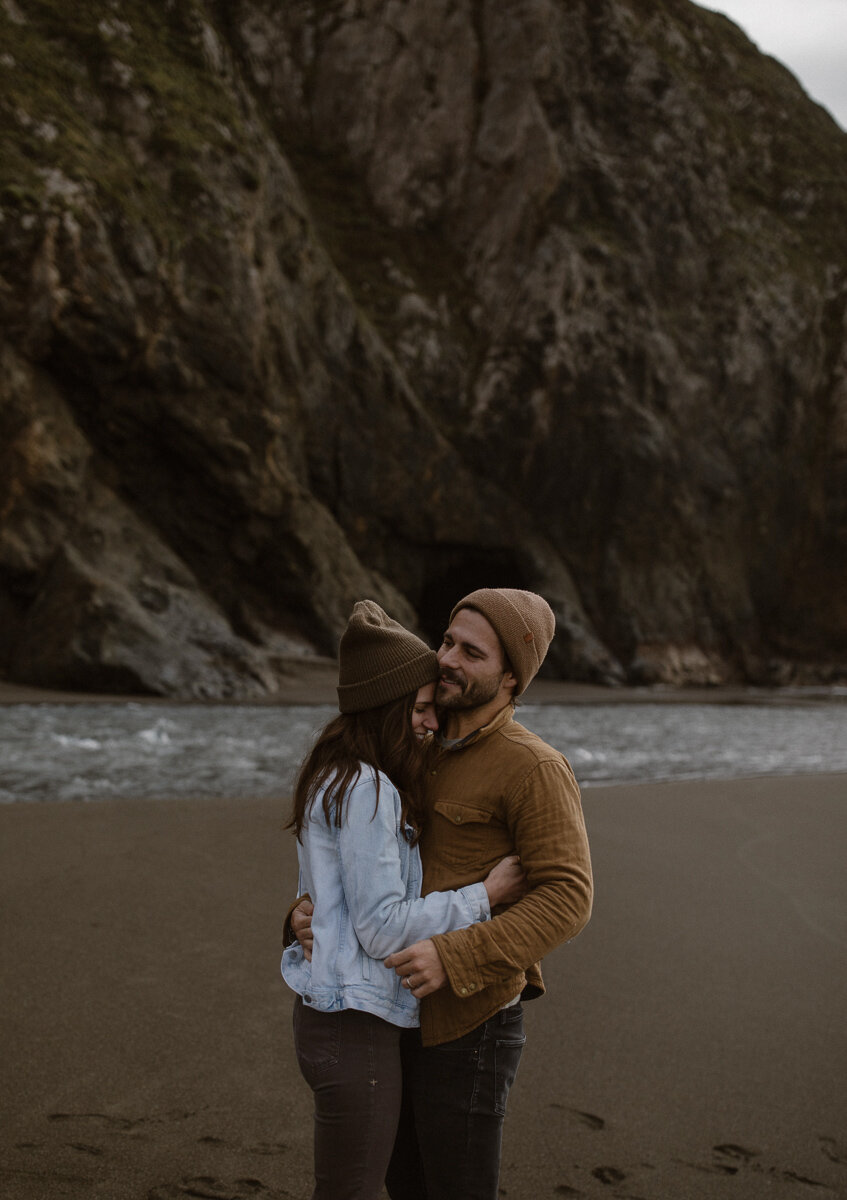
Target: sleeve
x: 548, y: 830
x: 371, y: 875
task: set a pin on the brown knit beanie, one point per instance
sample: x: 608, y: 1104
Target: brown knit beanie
x: 524, y: 623
x: 379, y: 660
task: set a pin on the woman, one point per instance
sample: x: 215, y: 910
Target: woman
x: 357, y: 816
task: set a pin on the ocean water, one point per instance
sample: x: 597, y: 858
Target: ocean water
x: 99, y: 751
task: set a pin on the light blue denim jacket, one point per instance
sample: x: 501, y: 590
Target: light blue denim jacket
x: 365, y: 881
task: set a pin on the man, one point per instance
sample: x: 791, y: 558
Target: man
x: 495, y: 789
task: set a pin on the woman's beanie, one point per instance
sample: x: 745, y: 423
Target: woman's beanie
x: 379, y: 660
x: 524, y: 623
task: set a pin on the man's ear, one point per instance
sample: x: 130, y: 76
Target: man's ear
x: 510, y: 681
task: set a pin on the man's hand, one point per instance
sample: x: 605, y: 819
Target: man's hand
x: 301, y: 926
x: 419, y: 967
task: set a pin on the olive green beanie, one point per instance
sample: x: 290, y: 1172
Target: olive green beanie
x: 379, y: 660
x: 524, y: 623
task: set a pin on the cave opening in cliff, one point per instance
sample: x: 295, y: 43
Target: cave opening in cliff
x: 456, y: 575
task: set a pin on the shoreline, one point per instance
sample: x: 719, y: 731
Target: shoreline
x: 313, y: 682
x: 691, y: 1042
x: 130, y: 750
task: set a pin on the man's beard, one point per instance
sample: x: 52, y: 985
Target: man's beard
x: 473, y: 695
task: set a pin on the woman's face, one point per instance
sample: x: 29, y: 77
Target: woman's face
x: 424, y: 720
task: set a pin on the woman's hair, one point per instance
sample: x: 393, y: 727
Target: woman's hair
x: 381, y: 737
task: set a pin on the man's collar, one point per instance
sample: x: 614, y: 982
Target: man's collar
x: 500, y: 718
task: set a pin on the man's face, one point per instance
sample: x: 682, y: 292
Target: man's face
x: 471, y: 661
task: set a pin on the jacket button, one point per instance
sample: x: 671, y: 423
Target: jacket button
x: 472, y: 986
x: 307, y: 999
x: 458, y: 820
x: 463, y: 991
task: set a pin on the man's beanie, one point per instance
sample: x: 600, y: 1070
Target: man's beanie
x: 523, y: 622
x: 379, y: 660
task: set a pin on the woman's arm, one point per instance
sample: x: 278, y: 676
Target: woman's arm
x: 369, y: 857
x: 505, y: 883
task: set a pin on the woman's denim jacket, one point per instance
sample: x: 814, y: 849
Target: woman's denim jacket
x: 364, y: 878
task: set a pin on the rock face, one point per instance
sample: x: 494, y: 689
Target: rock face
x: 302, y: 303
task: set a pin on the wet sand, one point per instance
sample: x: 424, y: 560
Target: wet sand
x: 313, y: 681
x: 692, y: 1044
x: 308, y: 681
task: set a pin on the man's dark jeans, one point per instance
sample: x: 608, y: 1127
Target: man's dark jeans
x: 454, y: 1101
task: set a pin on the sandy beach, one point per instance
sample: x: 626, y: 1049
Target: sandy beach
x: 692, y: 1043
x: 313, y: 681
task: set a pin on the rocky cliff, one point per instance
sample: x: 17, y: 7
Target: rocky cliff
x: 312, y: 301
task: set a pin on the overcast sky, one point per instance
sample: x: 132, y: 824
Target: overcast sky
x: 808, y: 36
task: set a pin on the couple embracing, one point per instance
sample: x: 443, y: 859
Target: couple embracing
x: 444, y: 850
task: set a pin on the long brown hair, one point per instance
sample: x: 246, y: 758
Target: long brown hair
x: 381, y: 737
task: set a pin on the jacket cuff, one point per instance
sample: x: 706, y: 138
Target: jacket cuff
x: 457, y: 958
x: 477, y: 897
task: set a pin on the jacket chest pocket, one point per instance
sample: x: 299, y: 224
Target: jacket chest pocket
x: 467, y: 836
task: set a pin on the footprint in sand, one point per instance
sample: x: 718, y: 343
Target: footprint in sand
x: 588, y: 1119
x: 584, y: 1118
x: 265, y: 1148
x: 835, y: 1151
x: 609, y: 1175
x: 103, y: 1122
x: 729, y: 1158
x: 740, y: 1152
x: 747, y: 1159
x: 121, y: 1123
x: 206, y: 1187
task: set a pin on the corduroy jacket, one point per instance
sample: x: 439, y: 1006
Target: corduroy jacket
x: 502, y: 791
